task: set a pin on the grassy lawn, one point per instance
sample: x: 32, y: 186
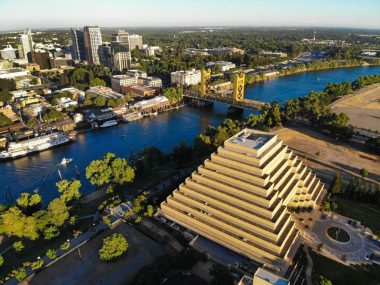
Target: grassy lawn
x: 340, y: 274
x: 368, y: 214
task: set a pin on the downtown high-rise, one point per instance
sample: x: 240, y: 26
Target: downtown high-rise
x: 120, y: 50
x: 92, y: 43
x: 78, y: 48
x: 26, y: 45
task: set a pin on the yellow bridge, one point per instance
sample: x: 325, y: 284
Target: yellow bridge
x: 237, y: 99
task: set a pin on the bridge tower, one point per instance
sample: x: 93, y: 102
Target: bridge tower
x: 205, y: 78
x: 238, y: 90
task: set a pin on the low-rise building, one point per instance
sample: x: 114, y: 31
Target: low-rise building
x: 222, y: 65
x: 136, y: 73
x: 191, y: 77
x: 8, y: 53
x: 12, y: 73
x: 154, y: 102
x: 8, y: 111
x: 65, y: 102
x: 266, y: 277
x: 140, y: 91
x: 105, y: 92
x: 150, y: 81
x: 273, y: 53
x: 117, y: 81
x: 33, y: 110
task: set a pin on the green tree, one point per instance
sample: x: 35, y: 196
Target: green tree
x: 5, y: 121
x: 19, y: 273
x: 14, y: 222
x: 51, y: 253
x: 152, y: 157
x: 32, y: 122
x: 110, y: 170
x: 29, y: 203
x: 113, y: 247
x: 51, y: 232
x: 182, y: 154
x: 69, y: 190
x: 97, y: 82
x: 53, y: 115
x: 221, y: 275
x: 1, y: 260
x: 336, y: 186
x: 149, y: 211
x: 57, y: 212
x: 18, y: 246
x: 363, y: 172
x: 6, y: 97
x: 324, y: 281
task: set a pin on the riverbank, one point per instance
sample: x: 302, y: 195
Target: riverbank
x: 362, y: 107
x: 305, y: 70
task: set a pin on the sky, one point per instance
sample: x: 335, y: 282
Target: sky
x: 18, y: 14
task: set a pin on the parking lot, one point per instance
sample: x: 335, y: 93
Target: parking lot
x: 86, y: 267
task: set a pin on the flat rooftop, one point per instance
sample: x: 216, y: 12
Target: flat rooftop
x: 251, y: 139
x: 269, y: 277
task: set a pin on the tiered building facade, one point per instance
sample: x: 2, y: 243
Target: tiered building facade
x: 239, y: 198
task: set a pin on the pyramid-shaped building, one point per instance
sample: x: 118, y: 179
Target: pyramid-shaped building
x: 240, y: 198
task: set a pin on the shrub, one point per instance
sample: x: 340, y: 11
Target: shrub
x: 65, y: 245
x: 51, y: 253
x: 19, y: 273
x: 113, y: 247
x: 51, y: 232
x: 37, y: 264
x: 138, y: 220
x: 18, y: 246
x: 73, y: 220
x: 1, y: 260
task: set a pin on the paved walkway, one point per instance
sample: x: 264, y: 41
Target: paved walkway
x: 352, y: 252
x: 74, y: 244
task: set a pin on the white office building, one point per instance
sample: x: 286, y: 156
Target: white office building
x: 92, y: 43
x: 135, y: 41
x: 8, y: 53
x: 122, y: 80
x: 191, y: 77
x: 26, y: 43
x: 120, y: 50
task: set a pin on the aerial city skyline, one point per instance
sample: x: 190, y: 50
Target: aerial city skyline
x: 189, y: 142
x: 180, y: 13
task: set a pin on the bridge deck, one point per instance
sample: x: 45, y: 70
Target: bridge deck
x: 245, y: 104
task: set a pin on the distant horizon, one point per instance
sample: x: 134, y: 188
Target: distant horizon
x: 41, y: 14
x: 200, y: 27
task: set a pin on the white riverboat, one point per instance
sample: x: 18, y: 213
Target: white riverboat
x: 37, y: 144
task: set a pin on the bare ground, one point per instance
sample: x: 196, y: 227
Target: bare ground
x: 327, y: 156
x: 363, y: 107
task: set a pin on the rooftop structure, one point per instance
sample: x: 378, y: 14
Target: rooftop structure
x: 222, y: 65
x: 265, y: 277
x: 191, y: 77
x: 13, y: 72
x: 105, y: 92
x: 214, y: 51
x: 122, y: 80
x: 239, y: 198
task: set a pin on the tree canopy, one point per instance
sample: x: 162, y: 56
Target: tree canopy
x: 113, y: 247
x: 110, y: 170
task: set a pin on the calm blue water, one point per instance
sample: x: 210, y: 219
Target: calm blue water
x: 164, y: 131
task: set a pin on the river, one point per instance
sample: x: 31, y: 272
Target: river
x: 39, y: 172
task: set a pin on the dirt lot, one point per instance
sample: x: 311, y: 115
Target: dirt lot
x: 363, y: 107
x: 90, y: 270
x: 326, y: 155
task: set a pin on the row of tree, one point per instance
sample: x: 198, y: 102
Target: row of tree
x: 27, y: 220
